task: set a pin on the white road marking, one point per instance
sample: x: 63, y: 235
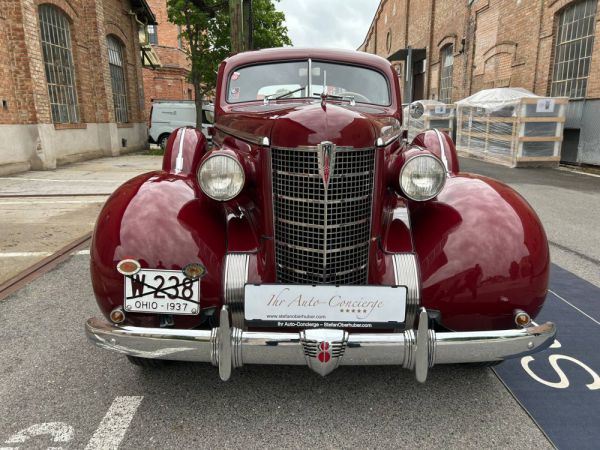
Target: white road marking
x: 115, y: 423
x: 572, y: 305
x: 23, y: 254
x: 60, y: 432
x: 579, y: 172
x: 52, y: 202
x: 31, y: 254
x: 59, y: 180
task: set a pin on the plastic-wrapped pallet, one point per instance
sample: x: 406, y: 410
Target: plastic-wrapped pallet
x: 511, y: 126
x: 435, y: 115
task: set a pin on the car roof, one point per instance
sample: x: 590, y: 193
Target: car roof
x: 282, y: 53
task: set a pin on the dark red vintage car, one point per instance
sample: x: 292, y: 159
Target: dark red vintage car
x: 312, y: 233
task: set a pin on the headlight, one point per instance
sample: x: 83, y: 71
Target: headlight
x: 221, y: 177
x: 422, y: 177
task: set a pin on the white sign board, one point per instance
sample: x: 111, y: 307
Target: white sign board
x: 306, y: 306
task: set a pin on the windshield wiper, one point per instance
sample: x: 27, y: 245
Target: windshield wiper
x: 286, y: 93
x: 325, y: 96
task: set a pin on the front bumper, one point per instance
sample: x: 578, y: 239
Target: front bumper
x: 321, y: 349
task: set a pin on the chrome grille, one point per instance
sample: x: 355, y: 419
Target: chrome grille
x: 322, y: 235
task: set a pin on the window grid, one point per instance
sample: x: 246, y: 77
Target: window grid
x: 117, y: 77
x: 55, y: 34
x: 573, y: 49
x: 153, y: 34
x: 447, y: 60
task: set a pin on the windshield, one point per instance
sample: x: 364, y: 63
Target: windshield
x: 291, y: 80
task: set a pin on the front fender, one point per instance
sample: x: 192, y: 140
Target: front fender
x: 482, y: 252
x: 163, y: 221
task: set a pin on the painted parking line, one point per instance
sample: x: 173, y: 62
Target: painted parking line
x: 58, y: 180
x: 115, y: 423
x: 32, y: 254
x: 560, y: 387
x: 52, y: 202
x: 108, y: 435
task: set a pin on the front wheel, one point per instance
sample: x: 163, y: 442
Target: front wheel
x: 145, y: 362
x: 162, y: 141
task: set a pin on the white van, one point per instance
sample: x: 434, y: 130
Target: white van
x: 167, y: 115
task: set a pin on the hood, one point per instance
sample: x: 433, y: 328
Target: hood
x: 302, y: 124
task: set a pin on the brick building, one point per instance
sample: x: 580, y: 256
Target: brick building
x: 450, y: 49
x: 70, y: 81
x: 168, y: 80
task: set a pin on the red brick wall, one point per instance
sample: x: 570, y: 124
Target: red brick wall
x: 169, y: 82
x: 23, y: 81
x: 506, y: 43
x: 15, y: 83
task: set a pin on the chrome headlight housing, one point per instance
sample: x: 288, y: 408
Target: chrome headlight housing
x: 221, y: 177
x: 422, y: 177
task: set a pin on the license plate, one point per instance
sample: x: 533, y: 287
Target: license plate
x: 305, y: 306
x: 163, y: 292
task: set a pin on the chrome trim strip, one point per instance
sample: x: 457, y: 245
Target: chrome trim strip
x: 323, y: 202
x: 321, y: 227
x: 324, y: 251
x: 402, y: 214
x: 224, y: 347
x: 309, y: 77
x: 406, y: 274
x: 423, y: 347
x: 389, y: 132
x: 313, y: 148
x: 236, y: 347
x: 442, y: 150
x: 234, y: 279
x: 244, y: 136
x: 179, y: 159
x: 343, y: 272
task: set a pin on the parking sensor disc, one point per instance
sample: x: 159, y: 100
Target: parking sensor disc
x: 194, y: 271
x: 128, y: 267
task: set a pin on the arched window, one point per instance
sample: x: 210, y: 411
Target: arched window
x: 573, y: 49
x: 55, y: 34
x: 117, y: 77
x: 447, y: 63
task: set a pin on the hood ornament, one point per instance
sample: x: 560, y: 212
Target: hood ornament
x: 326, y: 160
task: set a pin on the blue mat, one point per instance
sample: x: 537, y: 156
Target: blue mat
x: 565, y: 402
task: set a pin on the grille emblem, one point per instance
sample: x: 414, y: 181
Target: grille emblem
x: 326, y: 156
x: 323, y: 348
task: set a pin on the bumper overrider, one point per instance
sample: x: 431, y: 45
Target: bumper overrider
x: 321, y: 349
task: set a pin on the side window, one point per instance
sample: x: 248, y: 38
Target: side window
x: 153, y: 34
x: 117, y: 78
x: 573, y: 49
x: 446, y: 66
x: 55, y: 35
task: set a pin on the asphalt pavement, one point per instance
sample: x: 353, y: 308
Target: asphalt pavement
x: 56, y: 390
x: 42, y: 211
x: 49, y: 374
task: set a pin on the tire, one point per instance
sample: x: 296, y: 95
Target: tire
x: 145, y: 362
x: 162, y: 141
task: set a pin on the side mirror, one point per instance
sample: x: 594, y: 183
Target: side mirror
x: 416, y: 110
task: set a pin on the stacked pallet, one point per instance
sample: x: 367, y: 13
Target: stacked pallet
x: 435, y: 115
x: 511, y: 126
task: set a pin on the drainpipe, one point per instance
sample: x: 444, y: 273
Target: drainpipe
x: 430, y: 52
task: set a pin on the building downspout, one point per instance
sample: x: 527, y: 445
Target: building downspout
x: 429, y: 54
x: 537, y: 54
x: 406, y: 12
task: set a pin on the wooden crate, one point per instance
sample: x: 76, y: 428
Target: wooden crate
x: 526, y: 132
x: 436, y: 115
